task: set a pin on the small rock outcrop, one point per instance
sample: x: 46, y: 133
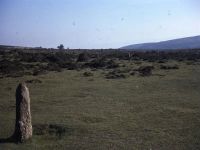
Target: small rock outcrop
x: 23, y: 126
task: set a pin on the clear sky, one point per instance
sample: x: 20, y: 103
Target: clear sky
x: 96, y: 23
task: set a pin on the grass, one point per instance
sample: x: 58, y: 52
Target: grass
x: 161, y: 111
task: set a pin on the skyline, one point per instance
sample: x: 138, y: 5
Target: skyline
x: 90, y: 24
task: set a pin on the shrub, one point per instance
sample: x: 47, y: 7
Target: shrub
x: 13, y: 68
x: 167, y: 67
x: 112, y: 64
x: 83, y: 57
x: 58, y: 57
x: 88, y: 74
x: 114, y: 75
x: 34, y: 81
x: 97, y: 63
x: 145, y: 70
x: 132, y: 73
x: 53, y: 67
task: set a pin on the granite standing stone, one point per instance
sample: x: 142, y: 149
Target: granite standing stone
x: 23, y: 126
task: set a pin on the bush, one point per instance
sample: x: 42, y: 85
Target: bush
x: 88, y: 74
x: 83, y: 57
x: 102, y: 63
x: 97, y: 63
x: 112, y: 64
x: 37, y: 72
x: 59, y: 57
x: 30, y: 57
x: 167, y: 67
x: 132, y: 73
x: 145, y: 70
x: 13, y: 68
x: 114, y: 75
x: 34, y: 81
x: 53, y: 67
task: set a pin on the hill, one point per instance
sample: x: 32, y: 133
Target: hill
x: 182, y: 43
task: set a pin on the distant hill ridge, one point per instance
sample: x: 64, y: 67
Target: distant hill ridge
x: 11, y: 47
x: 182, y: 43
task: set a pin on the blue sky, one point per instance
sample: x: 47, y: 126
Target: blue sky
x: 96, y: 23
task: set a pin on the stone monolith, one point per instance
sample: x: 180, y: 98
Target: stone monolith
x: 23, y: 126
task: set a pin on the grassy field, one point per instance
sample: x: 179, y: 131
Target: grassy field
x: 71, y: 111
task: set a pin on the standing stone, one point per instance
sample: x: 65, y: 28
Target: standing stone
x: 23, y: 126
